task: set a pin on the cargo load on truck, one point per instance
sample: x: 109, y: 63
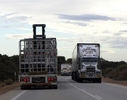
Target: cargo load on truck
x: 86, y: 62
x: 38, y: 60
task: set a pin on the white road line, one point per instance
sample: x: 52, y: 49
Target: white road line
x: 93, y: 96
x: 16, y: 97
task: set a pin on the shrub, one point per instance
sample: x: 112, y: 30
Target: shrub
x: 8, y: 82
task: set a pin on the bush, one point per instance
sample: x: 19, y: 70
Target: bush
x: 8, y: 66
x: 123, y: 75
x: 106, y: 71
x: 8, y: 82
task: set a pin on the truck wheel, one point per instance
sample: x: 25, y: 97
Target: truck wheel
x: 98, y: 80
x: 53, y: 87
x: 72, y: 76
x: 22, y: 87
x: 56, y: 87
x: 80, y: 80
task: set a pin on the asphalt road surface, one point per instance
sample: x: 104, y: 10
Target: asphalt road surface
x: 70, y: 90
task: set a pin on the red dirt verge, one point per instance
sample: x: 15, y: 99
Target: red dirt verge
x: 6, y: 88
x: 108, y: 80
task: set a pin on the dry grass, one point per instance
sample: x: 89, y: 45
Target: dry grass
x: 5, y: 88
x: 108, y: 80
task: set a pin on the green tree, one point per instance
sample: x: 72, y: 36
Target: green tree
x: 8, y: 66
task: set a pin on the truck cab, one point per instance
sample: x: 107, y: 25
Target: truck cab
x: 89, y: 68
x: 86, y: 62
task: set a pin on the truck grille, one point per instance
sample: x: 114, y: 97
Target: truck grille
x: 90, y: 69
x: 90, y: 72
x: 38, y: 80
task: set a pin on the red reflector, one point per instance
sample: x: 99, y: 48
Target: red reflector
x: 25, y: 80
x: 52, y: 79
x: 49, y: 79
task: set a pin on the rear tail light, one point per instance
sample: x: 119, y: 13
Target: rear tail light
x: 26, y: 80
x: 52, y: 79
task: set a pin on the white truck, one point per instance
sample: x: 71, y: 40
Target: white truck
x: 65, y: 69
x: 38, y: 60
x: 86, y: 62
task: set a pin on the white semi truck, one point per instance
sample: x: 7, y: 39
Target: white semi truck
x: 65, y: 69
x: 86, y: 62
x: 38, y: 60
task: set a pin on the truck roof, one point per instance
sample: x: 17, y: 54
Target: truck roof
x: 88, y: 44
x: 37, y: 39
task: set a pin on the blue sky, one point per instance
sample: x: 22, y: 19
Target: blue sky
x: 70, y: 21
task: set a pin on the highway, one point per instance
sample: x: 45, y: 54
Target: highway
x: 70, y: 90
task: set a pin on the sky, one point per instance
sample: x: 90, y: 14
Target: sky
x: 70, y: 21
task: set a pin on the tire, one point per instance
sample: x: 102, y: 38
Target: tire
x: 78, y: 79
x: 72, y: 76
x: 99, y: 80
x: 22, y: 87
x: 56, y: 87
x: 53, y: 87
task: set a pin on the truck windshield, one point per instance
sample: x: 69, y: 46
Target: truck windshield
x: 89, y: 59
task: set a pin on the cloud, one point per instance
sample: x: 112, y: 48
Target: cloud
x: 18, y: 19
x: 14, y: 18
x: 77, y: 23
x: 6, y: 26
x: 123, y: 31
x: 86, y: 17
x: 108, y: 51
x: 84, y: 20
x: 66, y: 39
x: 9, y: 14
x: 18, y: 36
x: 14, y: 21
x: 106, y: 31
x: 118, y: 34
x: 118, y: 42
x: 121, y: 34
